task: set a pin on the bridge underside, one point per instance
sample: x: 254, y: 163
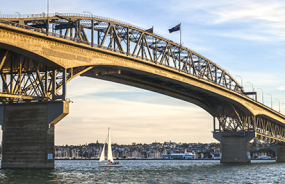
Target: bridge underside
x: 209, y: 101
x: 231, y: 117
x: 156, y: 83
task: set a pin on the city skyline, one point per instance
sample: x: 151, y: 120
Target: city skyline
x: 244, y: 38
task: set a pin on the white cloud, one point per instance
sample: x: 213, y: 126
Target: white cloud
x: 281, y: 88
x: 263, y: 20
x: 247, y: 10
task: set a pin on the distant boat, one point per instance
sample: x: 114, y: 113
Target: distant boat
x: 179, y: 156
x: 110, y: 162
x: 264, y: 157
x: 217, y: 156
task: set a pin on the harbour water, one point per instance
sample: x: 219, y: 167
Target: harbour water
x: 151, y: 171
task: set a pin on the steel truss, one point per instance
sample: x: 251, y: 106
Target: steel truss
x: 126, y: 39
x: 231, y: 119
x: 27, y: 79
x: 269, y: 131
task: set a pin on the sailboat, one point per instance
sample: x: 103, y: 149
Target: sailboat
x: 110, y: 162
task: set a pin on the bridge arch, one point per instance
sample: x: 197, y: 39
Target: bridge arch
x: 126, y: 54
x: 193, y: 66
x: 128, y: 40
x: 133, y: 72
x: 165, y: 82
x: 28, y: 54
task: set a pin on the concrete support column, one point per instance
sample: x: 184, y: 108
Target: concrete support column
x: 280, y: 153
x: 234, y: 146
x: 234, y: 149
x: 28, y: 134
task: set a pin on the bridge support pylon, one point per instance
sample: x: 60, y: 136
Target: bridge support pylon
x: 234, y: 147
x: 280, y: 153
x: 28, y: 133
x: 279, y: 150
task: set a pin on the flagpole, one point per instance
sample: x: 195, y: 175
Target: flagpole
x: 47, y: 28
x: 180, y: 36
x: 180, y: 48
x: 153, y: 49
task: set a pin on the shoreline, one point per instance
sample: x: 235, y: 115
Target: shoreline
x: 160, y: 159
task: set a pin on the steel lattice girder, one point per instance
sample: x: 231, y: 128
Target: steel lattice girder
x: 24, y: 78
x: 130, y: 40
x: 266, y: 130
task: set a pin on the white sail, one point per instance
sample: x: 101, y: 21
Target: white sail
x: 102, y: 156
x: 110, y: 162
x: 110, y: 155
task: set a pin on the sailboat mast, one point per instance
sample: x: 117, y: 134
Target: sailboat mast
x: 110, y: 155
x: 109, y: 137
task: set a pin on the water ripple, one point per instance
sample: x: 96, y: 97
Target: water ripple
x: 151, y: 171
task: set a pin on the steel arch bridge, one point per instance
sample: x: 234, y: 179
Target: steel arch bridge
x: 39, y: 54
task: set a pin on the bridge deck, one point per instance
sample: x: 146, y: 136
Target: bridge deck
x: 144, y: 60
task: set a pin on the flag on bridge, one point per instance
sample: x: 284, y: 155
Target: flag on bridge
x: 176, y: 28
x: 150, y: 30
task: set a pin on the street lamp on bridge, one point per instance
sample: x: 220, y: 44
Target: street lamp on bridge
x: 271, y: 99
x: 47, y: 28
x: 18, y: 13
x: 252, y: 86
x: 261, y: 95
x: 252, y: 90
x: 92, y: 28
x: 47, y: 7
x: 240, y: 79
x: 279, y: 103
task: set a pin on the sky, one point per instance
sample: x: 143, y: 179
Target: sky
x: 244, y: 37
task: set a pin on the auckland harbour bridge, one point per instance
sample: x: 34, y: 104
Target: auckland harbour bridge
x: 40, y: 54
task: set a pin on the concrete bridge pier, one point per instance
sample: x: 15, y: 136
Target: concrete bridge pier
x: 28, y: 133
x: 279, y: 150
x: 280, y: 153
x: 234, y: 146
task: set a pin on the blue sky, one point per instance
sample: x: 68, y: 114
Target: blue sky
x: 244, y: 37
